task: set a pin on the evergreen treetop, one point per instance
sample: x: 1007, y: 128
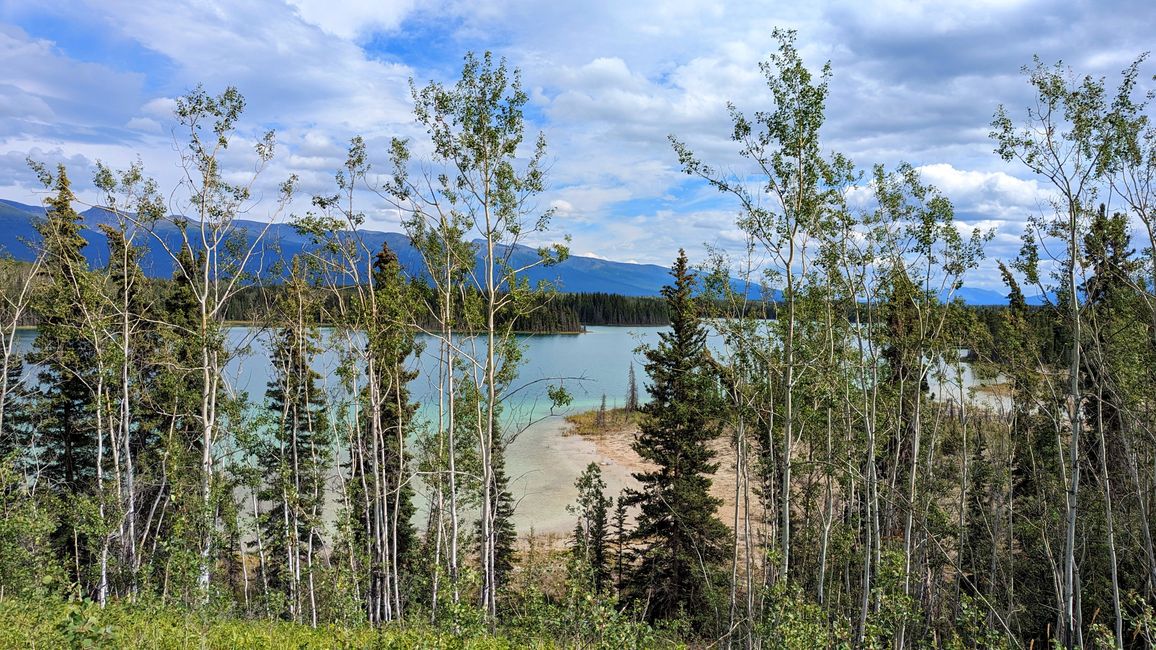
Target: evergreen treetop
x: 680, y: 539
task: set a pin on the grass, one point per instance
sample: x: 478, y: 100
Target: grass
x: 589, y: 423
x: 55, y: 624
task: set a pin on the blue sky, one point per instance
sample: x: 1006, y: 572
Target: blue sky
x: 609, y: 81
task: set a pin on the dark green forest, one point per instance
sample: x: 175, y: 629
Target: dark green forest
x: 144, y: 502
x: 551, y: 312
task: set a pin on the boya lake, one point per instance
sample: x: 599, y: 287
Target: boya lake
x: 542, y: 461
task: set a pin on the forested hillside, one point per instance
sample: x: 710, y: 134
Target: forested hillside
x: 144, y: 499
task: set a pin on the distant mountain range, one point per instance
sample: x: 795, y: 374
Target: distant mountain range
x: 577, y: 274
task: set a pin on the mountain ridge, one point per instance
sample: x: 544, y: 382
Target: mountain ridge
x: 577, y: 274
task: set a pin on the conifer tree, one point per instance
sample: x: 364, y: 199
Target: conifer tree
x: 61, y: 351
x: 680, y: 539
x: 296, y: 456
x: 591, y: 531
x: 631, y: 391
x: 600, y: 420
x: 1114, y: 383
x: 383, y: 468
x: 67, y: 435
x: 170, y: 484
x: 1114, y: 358
x: 621, y: 539
x: 505, y: 535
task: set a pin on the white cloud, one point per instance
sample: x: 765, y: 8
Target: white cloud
x: 609, y: 81
x: 289, y: 71
x: 160, y: 107
x: 993, y: 193
x: 561, y: 207
x: 352, y: 18
x: 145, y: 124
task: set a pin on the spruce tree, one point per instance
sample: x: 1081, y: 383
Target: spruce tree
x: 173, y: 471
x: 396, y: 294
x: 505, y: 534
x: 631, y: 391
x: 381, y: 469
x: 600, y: 420
x: 1112, y: 364
x: 66, y: 435
x: 295, y: 458
x: 621, y: 539
x: 680, y: 540
x: 61, y: 351
x: 591, y: 531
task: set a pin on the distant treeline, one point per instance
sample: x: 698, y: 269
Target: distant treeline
x: 563, y: 312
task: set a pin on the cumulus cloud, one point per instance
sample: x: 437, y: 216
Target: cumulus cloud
x: 350, y: 19
x: 609, y: 82
x: 998, y: 195
x: 146, y: 124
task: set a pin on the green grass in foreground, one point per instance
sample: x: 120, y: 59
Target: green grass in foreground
x: 49, y: 622
x: 44, y: 624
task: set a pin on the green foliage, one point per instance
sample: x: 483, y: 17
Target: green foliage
x: 482, y: 184
x: 870, y: 511
x: 791, y: 622
x: 598, y: 423
x: 584, y: 619
x: 82, y: 624
x: 63, y: 350
x: 1086, y: 141
x: 591, y: 532
x: 29, y: 563
x: 680, y: 542
x: 294, y: 456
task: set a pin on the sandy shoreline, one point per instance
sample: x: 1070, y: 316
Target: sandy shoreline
x: 547, y: 458
x: 614, y: 448
x: 544, y: 462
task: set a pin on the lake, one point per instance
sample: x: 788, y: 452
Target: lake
x: 542, y: 462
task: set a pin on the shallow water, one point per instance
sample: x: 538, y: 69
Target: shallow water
x: 543, y: 465
x: 542, y: 462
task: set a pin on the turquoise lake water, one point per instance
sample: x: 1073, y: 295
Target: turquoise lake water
x: 542, y: 461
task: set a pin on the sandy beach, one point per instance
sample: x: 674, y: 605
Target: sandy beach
x: 545, y: 461
x: 553, y: 458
